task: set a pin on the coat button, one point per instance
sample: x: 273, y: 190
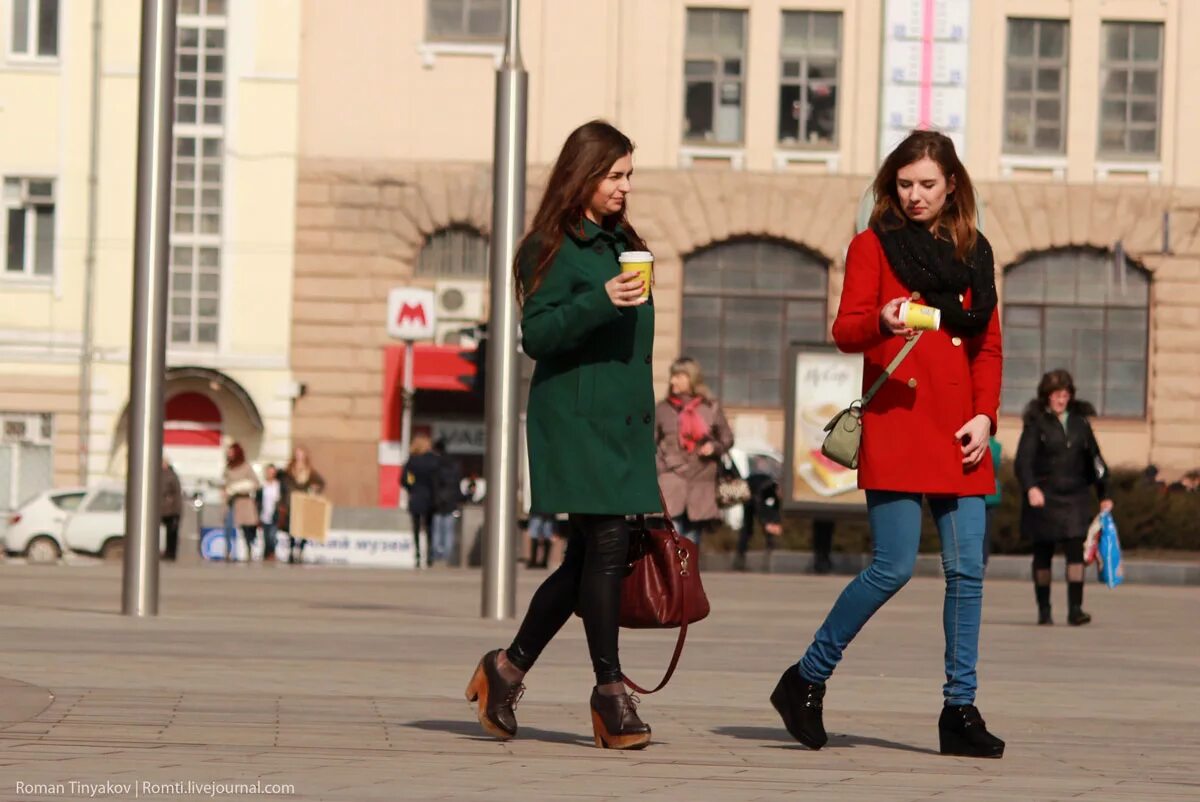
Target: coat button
x: 598, y: 247
x: 647, y: 360
x: 916, y: 296
x: 961, y: 297
x: 646, y: 418
x: 912, y: 382
x: 628, y: 420
x: 956, y: 341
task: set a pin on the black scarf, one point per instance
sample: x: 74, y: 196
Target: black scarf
x: 927, y: 264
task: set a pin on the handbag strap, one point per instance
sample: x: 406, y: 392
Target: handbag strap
x: 889, y: 370
x: 683, y: 626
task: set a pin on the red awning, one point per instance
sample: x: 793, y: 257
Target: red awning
x: 435, y: 367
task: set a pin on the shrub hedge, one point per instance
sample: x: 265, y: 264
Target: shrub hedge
x: 1147, y: 518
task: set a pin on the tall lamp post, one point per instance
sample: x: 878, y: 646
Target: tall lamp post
x: 503, y: 369
x: 148, y: 343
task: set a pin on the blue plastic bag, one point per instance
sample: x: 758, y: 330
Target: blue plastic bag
x: 1112, y: 573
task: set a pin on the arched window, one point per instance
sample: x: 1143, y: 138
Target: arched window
x: 1084, y: 310
x: 744, y: 301
x: 456, y: 252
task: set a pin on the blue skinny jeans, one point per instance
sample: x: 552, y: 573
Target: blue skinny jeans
x: 895, y: 520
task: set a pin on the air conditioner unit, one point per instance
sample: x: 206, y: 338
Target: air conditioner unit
x: 450, y: 332
x: 460, y: 301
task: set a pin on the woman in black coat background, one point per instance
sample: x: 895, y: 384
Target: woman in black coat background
x: 1059, y: 466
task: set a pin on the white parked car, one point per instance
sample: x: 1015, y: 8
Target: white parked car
x: 90, y: 522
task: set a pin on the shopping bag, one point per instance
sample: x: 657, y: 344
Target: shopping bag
x: 309, y: 517
x: 1112, y: 573
x: 1091, y: 544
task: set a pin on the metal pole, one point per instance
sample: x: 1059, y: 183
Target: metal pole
x: 407, y: 396
x: 148, y: 344
x: 89, y: 258
x: 508, y: 221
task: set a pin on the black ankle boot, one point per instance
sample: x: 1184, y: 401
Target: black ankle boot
x: 1044, y: 617
x: 800, y: 704
x: 1075, y: 615
x: 497, y: 697
x: 615, y: 722
x: 961, y: 731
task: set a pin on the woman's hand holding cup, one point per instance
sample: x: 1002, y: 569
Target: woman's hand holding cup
x: 890, y: 316
x: 625, y: 289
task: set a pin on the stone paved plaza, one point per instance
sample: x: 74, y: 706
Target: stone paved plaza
x: 342, y: 684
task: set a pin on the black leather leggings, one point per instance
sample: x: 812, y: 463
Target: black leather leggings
x: 589, y: 579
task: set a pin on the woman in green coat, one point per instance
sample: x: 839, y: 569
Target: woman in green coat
x: 590, y: 423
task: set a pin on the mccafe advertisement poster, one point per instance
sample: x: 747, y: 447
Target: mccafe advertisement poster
x: 823, y: 382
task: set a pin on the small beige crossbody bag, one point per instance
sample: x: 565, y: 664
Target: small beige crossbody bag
x: 845, y: 429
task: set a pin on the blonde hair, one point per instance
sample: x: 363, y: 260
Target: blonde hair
x: 421, y: 444
x: 689, y: 367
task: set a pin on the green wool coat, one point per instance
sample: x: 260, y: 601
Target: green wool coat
x: 590, y: 420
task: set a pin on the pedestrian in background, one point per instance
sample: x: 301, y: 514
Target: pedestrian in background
x: 590, y: 327
x: 270, y: 498
x: 447, y: 504
x: 541, y: 536
x: 300, y: 477
x: 418, y: 478
x: 1059, y: 466
x: 241, y: 488
x: 170, y: 507
x: 925, y: 432
x: 992, y: 500
x: 763, y: 507
x: 692, y: 436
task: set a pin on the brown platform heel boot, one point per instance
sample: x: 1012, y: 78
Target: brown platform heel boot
x: 615, y: 722
x: 497, y: 697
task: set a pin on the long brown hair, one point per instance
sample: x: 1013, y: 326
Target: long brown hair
x: 587, y: 156
x: 957, y: 219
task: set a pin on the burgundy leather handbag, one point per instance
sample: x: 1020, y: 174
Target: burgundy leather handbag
x: 662, y: 589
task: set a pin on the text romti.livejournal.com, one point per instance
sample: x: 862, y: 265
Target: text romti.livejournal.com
x: 139, y: 789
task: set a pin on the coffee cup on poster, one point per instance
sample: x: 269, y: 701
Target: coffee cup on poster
x: 642, y: 263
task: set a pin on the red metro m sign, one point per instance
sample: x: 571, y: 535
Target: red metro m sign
x: 411, y: 314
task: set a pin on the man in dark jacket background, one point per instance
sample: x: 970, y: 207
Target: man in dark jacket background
x: 170, y: 507
x: 447, y: 503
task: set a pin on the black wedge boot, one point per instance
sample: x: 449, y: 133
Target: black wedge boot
x: 961, y: 731
x: 615, y: 722
x: 497, y: 697
x: 800, y: 704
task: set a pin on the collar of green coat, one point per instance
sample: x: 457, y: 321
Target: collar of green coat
x: 588, y: 233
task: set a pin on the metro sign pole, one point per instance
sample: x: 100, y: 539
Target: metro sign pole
x: 411, y: 317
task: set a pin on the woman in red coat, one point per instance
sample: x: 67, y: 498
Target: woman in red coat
x: 925, y: 433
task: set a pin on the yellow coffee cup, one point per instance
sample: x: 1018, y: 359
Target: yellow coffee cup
x: 920, y: 317
x: 642, y: 263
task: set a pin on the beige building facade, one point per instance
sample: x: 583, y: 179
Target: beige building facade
x: 67, y: 213
x: 758, y: 126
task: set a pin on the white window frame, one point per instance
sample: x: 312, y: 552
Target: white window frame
x: 804, y: 83
x: 32, y: 56
x: 30, y: 203
x: 700, y: 145
x: 199, y: 131
x: 463, y: 38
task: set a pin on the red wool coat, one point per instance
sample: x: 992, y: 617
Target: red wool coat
x: 908, y: 441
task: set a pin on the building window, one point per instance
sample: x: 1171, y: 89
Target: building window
x: 810, y: 60
x: 1083, y: 310
x: 744, y: 302
x: 29, y: 227
x: 197, y: 189
x: 714, y: 71
x: 1131, y: 89
x: 465, y: 21
x: 456, y: 253
x: 1035, y: 91
x: 34, y: 29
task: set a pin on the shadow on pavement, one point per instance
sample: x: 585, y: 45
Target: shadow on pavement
x: 836, y: 740
x: 470, y: 729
